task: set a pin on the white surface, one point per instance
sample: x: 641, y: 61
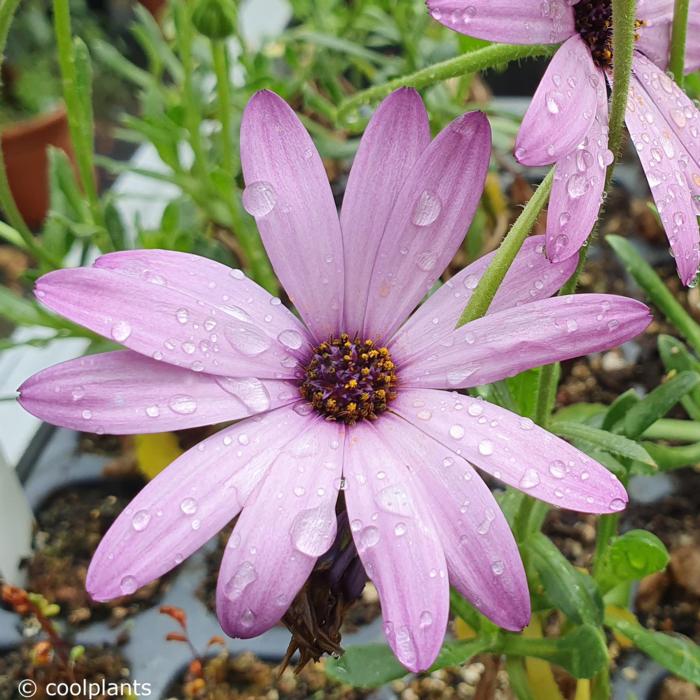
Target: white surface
x: 15, y: 520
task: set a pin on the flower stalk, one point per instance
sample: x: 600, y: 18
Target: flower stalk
x: 481, y: 59
x: 505, y: 255
x: 679, y: 35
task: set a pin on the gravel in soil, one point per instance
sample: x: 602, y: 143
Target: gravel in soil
x: 96, y: 665
x: 58, y: 566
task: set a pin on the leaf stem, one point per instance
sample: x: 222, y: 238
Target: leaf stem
x: 221, y: 68
x: 491, y: 279
x: 679, y: 35
x: 481, y: 59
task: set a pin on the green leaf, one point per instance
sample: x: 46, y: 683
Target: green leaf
x: 583, y: 652
x: 372, y: 665
x: 564, y: 586
x: 618, y: 409
x: 658, y: 403
x: 580, y: 412
x: 656, y: 290
x: 25, y: 312
x: 523, y: 389
x: 677, y: 653
x: 602, y: 439
x: 676, y: 356
x: 631, y: 557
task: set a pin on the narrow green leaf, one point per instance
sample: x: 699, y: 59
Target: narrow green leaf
x: 619, y: 407
x: 564, y: 586
x: 668, y: 458
x: 677, y: 653
x: 676, y: 356
x: 656, y: 290
x: 658, y: 403
x: 602, y: 439
x: 26, y: 312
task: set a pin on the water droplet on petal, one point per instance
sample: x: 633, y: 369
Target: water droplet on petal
x: 290, y: 339
x: 182, y: 404
x: 498, y: 567
x: 140, y: 520
x: 189, y: 506
x: 369, y: 537
x: 617, y: 504
x: 531, y: 478
x: 245, y: 575
x: 486, y: 448
x: 259, y: 198
x: 250, y: 390
x: 426, y: 209
x: 311, y: 530
x: 128, y: 585
x: 121, y: 331
x: 456, y: 432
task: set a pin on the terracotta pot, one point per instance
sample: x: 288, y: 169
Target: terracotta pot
x: 24, y: 147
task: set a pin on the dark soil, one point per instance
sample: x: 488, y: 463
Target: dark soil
x: 96, y: 665
x: 246, y: 677
x: 60, y: 561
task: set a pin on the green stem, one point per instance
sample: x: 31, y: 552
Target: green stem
x: 491, y: 279
x: 624, y: 30
x: 192, y: 119
x: 607, y: 527
x: 481, y: 59
x: 81, y: 136
x: 679, y: 34
x: 221, y: 68
x: 673, y: 429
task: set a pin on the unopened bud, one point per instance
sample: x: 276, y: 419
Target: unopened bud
x: 215, y: 19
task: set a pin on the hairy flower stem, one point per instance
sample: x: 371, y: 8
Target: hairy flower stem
x: 481, y: 59
x: 75, y: 77
x: 679, y: 34
x: 505, y: 255
x: 624, y: 30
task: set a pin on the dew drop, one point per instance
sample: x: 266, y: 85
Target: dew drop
x: 249, y: 390
x: 259, y: 198
x: 182, y: 404
x: 498, y: 567
x: 128, y: 585
x: 290, y: 339
x: 369, y: 537
x: 426, y: 209
x: 486, y: 448
x: 248, y: 340
x: 531, y: 478
x: 617, y: 504
x: 241, y: 579
x: 557, y: 469
x: 182, y: 316
x: 311, y: 530
x: 426, y: 619
x: 400, y: 529
x: 456, y: 431
x: 121, y: 331
x: 189, y: 506
x: 140, y: 520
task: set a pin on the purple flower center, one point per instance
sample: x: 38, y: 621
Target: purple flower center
x: 594, y: 23
x: 349, y: 379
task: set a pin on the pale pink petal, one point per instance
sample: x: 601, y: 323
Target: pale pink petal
x: 563, y: 108
x: 124, y: 393
x: 662, y: 156
x: 514, y: 450
x: 482, y: 558
x: 188, y: 503
x: 398, y: 544
x: 654, y: 11
x: 578, y: 186
x: 287, y: 192
x: 427, y: 224
x: 507, y: 21
x: 655, y: 42
x: 394, y: 139
x: 284, y: 528
x: 508, y: 342
x: 203, y: 333
x: 530, y: 277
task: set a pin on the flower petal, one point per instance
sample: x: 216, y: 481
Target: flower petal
x: 530, y: 277
x: 283, y: 529
x: 578, y: 187
x: 661, y: 152
x: 124, y: 393
x: 514, y: 450
x: 398, y: 544
x: 508, y: 21
x: 482, y: 558
x: 170, y: 324
x: 287, y: 192
x: 508, y: 342
x: 427, y: 224
x: 563, y: 108
x: 394, y: 139
x: 188, y: 503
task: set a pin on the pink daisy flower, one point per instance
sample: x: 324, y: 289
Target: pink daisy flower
x: 346, y: 412
x: 567, y: 120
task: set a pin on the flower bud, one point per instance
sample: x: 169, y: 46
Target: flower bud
x: 215, y: 19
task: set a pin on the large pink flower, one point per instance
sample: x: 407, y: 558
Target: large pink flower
x: 352, y: 401
x: 566, y: 122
